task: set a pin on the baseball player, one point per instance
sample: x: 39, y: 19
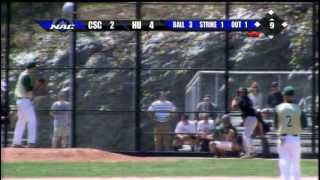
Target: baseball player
x: 289, y: 120
x: 243, y: 102
x: 60, y: 110
x: 224, y: 138
x: 26, y: 113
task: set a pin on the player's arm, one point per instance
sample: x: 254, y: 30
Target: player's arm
x: 235, y: 103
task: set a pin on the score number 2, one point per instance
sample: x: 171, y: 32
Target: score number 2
x: 111, y: 24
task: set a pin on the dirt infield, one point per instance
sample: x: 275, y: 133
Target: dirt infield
x: 65, y: 155
x: 161, y: 178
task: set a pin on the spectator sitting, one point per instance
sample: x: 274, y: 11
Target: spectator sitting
x: 224, y: 138
x: 184, y: 131
x: 204, y: 129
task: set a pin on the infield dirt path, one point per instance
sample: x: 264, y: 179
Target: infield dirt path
x: 160, y: 178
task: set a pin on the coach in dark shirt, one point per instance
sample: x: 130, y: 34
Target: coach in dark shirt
x: 275, y: 97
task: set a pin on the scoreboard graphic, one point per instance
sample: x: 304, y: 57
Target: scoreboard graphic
x: 270, y: 25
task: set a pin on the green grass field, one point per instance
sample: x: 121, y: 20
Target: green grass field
x: 203, y: 167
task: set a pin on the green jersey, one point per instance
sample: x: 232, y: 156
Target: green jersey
x: 289, y: 118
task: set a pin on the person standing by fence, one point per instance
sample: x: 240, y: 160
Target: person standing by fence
x: 160, y: 113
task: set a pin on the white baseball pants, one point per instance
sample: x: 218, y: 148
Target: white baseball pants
x: 26, y: 114
x: 289, y: 157
x: 250, y: 124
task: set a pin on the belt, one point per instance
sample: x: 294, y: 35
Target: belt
x: 289, y: 135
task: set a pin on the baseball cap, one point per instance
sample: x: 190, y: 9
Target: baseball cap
x: 274, y: 84
x: 30, y: 65
x: 288, y: 91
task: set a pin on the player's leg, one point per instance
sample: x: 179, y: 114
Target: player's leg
x: 236, y: 148
x: 20, y: 124
x: 295, y: 151
x: 284, y: 160
x: 32, y: 124
x: 177, y: 143
x: 213, y: 148
x: 249, y: 125
x: 221, y: 147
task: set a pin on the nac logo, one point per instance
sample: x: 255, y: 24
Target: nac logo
x: 62, y: 25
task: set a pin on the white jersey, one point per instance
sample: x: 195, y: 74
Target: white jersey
x: 185, y: 127
x: 162, y: 109
x: 205, y: 127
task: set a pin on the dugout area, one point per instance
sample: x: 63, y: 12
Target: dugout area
x: 112, y: 77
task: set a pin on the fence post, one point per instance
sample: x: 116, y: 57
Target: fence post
x: 138, y: 83
x: 72, y: 59
x: 314, y: 69
x: 226, y: 81
x: 7, y: 61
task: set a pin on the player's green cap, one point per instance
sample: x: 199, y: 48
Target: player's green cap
x: 288, y: 91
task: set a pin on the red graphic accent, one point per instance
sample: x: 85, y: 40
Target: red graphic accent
x: 253, y: 34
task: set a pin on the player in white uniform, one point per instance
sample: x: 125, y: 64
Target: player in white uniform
x: 26, y: 113
x: 289, y: 121
x: 224, y: 138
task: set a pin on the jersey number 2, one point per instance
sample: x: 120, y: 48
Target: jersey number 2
x: 289, y: 119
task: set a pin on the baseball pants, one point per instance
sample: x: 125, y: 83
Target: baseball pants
x: 162, y: 141
x: 250, y: 123
x: 26, y: 114
x: 289, y: 157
